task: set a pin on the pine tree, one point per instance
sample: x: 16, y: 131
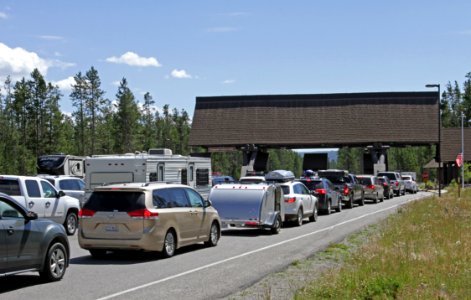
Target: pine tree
x: 126, y: 119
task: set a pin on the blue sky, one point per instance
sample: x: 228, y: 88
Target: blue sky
x: 178, y: 50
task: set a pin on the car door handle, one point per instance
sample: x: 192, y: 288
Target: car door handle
x: 31, y: 204
x: 48, y: 204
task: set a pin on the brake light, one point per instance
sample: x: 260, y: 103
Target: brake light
x: 385, y: 184
x: 86, y: 213
x: 397, y: 183
x: 142, y: 214
x: 346, y: 190
x: 371, y: 187
x: 321, y: 191
x: 291, y: 200
x: 252, y: 223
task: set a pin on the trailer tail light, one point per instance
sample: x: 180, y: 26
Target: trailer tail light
x: 291, y: 200
x: 86, y: 213
x: 346, y: 190
x: 321, y: 191
x: 143, y: 214
x: 252, y: 223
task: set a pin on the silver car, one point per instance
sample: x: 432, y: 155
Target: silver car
x: 72, y: 186
x: 396, y: 182
x: 410, y: 184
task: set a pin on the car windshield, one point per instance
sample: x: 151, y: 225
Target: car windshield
x: 364, y: 180
x: 313, y: 184
x: 391, y: 176
x: 115, y: 201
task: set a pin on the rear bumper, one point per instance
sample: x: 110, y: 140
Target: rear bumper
x: 147, y: 242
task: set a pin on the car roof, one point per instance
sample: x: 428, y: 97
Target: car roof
x: 139, y: 186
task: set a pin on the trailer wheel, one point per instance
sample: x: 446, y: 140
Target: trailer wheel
x: 276, y: 228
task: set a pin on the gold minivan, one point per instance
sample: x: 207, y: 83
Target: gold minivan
x: 146, y: 216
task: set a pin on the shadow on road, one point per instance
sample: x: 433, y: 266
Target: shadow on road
x: 129, y: 257
x: 16, y: 282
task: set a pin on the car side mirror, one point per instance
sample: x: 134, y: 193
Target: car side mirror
x: 60, y: 194
x: 31, y: 215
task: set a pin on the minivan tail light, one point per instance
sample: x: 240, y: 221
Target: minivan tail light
x: 345, y: 190
x: 291, y: 200
x: 371, y: 186
x: 86, y: 213
x: 142, y: 214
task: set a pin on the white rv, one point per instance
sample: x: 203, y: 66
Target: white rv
x: 157, y: 165
x: 61, y: 164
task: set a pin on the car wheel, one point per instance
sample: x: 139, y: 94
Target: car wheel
x: 169, y: 244
x: 71, y: 222
x: 55, y: 264
x: 362, y: 200
x: 339, y: 206
x: 329, y: 207
x: 276, y: 228
x: 313, y: 217
x: 213, y: 235
x: 376, y: 198
x: 350, y: 201
x: 299, y: 218
x: 98, y: 253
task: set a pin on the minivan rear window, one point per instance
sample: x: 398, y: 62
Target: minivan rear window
x: 115, y: 201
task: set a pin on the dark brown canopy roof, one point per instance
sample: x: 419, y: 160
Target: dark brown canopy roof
x: 322, y: 120
x: 451, y: 144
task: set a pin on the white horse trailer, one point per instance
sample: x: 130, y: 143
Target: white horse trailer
x: 158, y: 165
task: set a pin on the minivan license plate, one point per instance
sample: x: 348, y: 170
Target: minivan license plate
x: 111, y: 228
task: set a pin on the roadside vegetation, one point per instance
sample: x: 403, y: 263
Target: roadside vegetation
x: 422, y: 252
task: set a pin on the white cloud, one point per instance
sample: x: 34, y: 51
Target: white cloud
x: 132, y: 59
x: 19, y: 63
x: 65, y: 84
x: 3, y: 15
x: 180, y: 74
x: 228, y: 81
x: 222, y: 29
x: 51, y: 37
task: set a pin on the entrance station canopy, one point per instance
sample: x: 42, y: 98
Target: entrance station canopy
x: 319, y: 120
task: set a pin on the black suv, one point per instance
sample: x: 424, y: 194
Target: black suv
x: 348, y: 185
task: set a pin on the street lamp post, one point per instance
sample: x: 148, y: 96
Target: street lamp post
x: 462, y: 150
x: 439, y: 138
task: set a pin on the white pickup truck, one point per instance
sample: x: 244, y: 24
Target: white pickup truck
x: 39, y: 196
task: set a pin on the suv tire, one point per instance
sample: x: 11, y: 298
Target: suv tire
x: 71, y: 223
x: 350, y: 201
x: 55, y: 264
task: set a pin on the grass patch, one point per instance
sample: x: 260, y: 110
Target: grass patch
x: 420, y: 253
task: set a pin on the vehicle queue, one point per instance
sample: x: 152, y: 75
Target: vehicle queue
x: 162, y: 217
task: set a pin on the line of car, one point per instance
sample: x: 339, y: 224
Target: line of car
x: 162, y: 217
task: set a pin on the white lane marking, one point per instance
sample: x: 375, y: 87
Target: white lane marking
x: 253, y: 251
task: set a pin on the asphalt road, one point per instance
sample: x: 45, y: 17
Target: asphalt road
x: 241, y: 258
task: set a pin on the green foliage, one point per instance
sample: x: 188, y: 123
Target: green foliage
x: 349, y: 159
